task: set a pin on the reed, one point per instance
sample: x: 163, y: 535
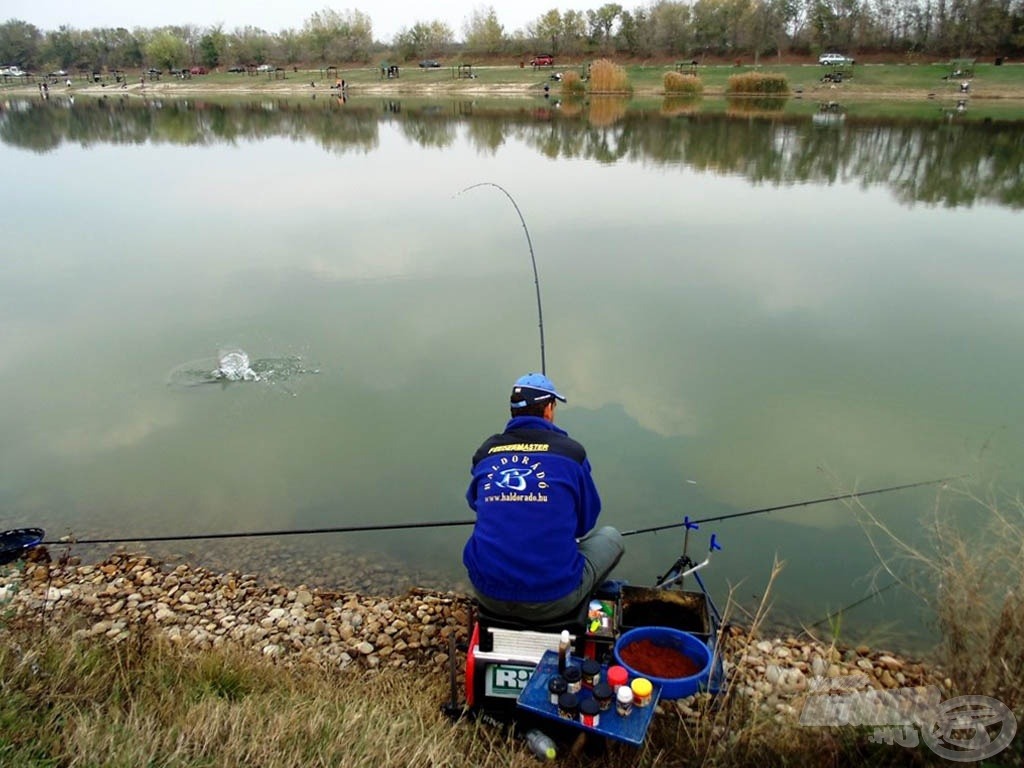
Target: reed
x: 757, y: 84
x: 572, y: 84
x: 970, y: 572
x: 608, y: 77
x: 676, y: 83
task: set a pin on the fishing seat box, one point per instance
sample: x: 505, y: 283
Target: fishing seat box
x: 648, y: 607
x: 503, y: 654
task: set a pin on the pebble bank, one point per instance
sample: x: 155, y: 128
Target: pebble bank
x: 201, y: 608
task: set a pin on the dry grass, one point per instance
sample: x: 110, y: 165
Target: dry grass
x: 144, y: 702
x: 970, y: 572
x: 676, y: 83
x: 572, y: 83
x: 608, y: 77
x: 757, y: 84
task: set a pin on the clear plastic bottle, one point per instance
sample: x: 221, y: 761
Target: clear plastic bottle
x: 540, y: 744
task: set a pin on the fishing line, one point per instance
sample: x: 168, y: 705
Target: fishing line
x: 533, y: 261
x: 453, y: 523
x: 854, y: 604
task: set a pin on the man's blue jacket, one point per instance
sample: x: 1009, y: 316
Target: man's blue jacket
x: 533, y: 496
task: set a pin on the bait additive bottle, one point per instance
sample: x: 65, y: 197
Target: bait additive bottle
x: 624, y: 701
x: 617, y: 676
x: 568, y: 706
x: 642, y: 690
x: 591, y: 672
x: 603, y: 696
x: 556, y: 687
x: 563, y: 651
x: 590, y: 713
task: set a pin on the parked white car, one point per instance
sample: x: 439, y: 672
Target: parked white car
x: 834, y: 59
x: 12, y: 72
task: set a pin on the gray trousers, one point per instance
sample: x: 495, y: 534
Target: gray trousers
x: 601, y: 549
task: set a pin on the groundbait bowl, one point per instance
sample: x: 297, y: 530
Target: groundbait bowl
x: 13, y: 544
x: 684, y: 643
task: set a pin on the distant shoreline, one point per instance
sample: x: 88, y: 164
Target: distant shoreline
x: 882, y: 82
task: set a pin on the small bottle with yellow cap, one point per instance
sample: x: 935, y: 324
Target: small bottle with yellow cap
x: 642, y: 689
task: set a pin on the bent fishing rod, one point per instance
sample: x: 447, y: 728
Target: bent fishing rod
x: 533, y: 261
x: 453, y: 523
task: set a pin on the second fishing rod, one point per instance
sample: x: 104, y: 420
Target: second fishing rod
x: 465, y: 522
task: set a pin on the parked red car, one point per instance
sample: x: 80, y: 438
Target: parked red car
x: 198, y: 71
x: 543, y: 60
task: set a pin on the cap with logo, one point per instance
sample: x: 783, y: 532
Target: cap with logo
x: 533, y: 388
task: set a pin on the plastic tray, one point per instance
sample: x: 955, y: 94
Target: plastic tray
x: 535, y: 698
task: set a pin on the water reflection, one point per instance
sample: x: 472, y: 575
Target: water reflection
x: 936, y: 162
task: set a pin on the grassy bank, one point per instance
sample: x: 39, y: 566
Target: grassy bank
x: 128, y: 663
x: 150, y: 702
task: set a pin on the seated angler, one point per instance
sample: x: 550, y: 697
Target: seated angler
x: 534, y: 554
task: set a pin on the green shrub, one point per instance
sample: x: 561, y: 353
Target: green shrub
x: 678, y: 83
x: 758, y: 84
x: 608, y: 77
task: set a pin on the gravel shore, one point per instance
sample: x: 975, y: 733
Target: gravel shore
x: 297, y: 624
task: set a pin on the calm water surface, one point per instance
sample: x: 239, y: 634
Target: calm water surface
x: 743, y: 309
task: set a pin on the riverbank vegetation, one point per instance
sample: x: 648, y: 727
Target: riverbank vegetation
x: 758, y: 84
x: 188, y: 668
x: 677, y: 83
x: 72, y: 702
x: 969, y: 571
x: 608, y: 77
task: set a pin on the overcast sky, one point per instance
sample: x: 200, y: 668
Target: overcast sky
x: 388, y: 17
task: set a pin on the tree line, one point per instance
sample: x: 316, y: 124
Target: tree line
x: 667, y: 28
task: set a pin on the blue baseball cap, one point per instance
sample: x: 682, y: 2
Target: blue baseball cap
x: 533, y: 388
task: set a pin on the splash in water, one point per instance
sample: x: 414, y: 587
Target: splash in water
x: 233, y: 365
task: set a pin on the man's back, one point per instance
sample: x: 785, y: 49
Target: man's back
x: 533, y: 496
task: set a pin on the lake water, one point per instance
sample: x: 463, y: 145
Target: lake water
x: 744, y: 309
